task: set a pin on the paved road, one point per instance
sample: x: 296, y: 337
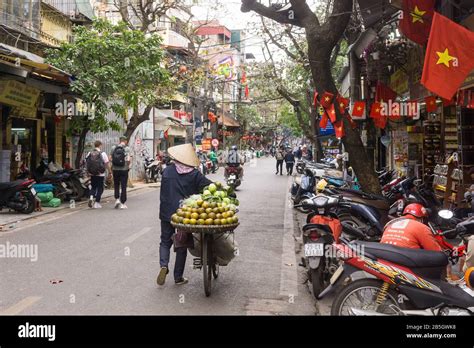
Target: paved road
x: 106, y: 261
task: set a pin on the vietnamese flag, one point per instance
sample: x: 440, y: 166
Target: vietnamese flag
x: 376, y: 109
x: 416, y: 21
x: 431, y: 104
x: 332, y: 113
x: 359, y: 109
x: 324, y: 121
x: 315, y: 99
x: 326, y: 99
x: 449, y: 57
x: 339, y: 129
x: 383, y: 93
x: 380, y: 122
x: 351, y: 121
x: 343, y: 104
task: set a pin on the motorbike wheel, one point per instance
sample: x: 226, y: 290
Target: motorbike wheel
x: 77, y: 190
x: 317, y: 279
x: 346, y: 298
x: 30, y: 203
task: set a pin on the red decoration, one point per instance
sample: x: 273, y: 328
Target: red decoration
x: 351, y: 121
x: 315, y: 99
x: 383, y: 93
x: 431, y: 104
x: 375, y: 110
x: 339, y: 129
x: 332, y: 113
x: 183, y: 69
x: 359, y: 109
x: 416, y: 21
x: 343, y: 103
x: 326, y: 99
x: 449, y: 57
x: 324, y: 121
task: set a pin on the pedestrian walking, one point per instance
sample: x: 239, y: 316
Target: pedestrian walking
x: 97, y: 163
x: 290, y: 162
x: 180, y: 179
x: 121, y: 163
x: 279, y: 158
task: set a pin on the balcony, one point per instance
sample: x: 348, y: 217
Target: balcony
x: 173, y: 39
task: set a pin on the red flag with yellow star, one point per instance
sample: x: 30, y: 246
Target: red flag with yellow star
x: 431, y: 104
x: 449, y: 57
x: 331, y: 111
x: 343, y: 104
x: 416, y: 21
x: 326, y: 99
x: 358, y: 111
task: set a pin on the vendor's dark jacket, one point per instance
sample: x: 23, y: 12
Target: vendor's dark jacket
x: 176, y: 187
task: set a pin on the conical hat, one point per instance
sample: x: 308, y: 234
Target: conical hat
x: 184, y: 154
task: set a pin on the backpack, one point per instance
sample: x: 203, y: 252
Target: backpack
x: 95, y: 163
x: 118, y: 156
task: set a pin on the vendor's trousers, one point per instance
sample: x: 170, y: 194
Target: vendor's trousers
x: 167, y: 231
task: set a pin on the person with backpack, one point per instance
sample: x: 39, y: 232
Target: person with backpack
x: 121, y: 162
x: 96, y: 163
x: 279, y: 158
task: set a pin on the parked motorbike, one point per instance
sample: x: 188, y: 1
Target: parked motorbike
x: 18, y: 195
x: 152, y: 169
x: 233, y: 176
x: 64, y: 187
x: 321, y: 231
x: 402, y: 281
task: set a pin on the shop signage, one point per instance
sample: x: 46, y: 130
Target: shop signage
x: 206, y: 144
x: 182, y: 115
x: 18, y: 94
x: 399, y: 82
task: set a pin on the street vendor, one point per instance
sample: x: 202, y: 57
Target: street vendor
x: 180, y: 179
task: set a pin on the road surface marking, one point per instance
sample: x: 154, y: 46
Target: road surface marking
x: 289, y: 274
x: 137, y: 235
x: 21, y: 306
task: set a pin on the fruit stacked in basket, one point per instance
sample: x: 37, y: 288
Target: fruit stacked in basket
x: 213, y: 207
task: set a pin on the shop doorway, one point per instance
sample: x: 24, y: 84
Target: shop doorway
x: 23, y: 141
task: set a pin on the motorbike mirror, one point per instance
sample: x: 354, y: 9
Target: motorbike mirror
x: 445, y: 214
x: 469, y: 277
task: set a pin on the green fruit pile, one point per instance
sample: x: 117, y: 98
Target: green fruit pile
x: 212, y: 207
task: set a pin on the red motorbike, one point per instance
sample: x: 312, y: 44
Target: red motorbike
x: 401, y: 281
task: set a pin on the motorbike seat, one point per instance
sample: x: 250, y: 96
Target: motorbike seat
x: 415, y: 258
x: 369, y: 196
x: 308, y: 227
x: 8, y: 185
x: 54, y: 177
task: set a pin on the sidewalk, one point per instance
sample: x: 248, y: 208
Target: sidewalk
x: 8, y: 220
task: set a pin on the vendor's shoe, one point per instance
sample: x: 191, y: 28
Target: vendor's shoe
x: 117, y: 203
x: 181, y: 281
x: 162, y: 276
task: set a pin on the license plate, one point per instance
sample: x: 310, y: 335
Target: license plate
x: 232, y: 177
x: 33, y: 191
x: 63, y: 185
x: 314, y: 249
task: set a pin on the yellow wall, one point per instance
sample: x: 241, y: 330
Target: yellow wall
x: 55, y: 27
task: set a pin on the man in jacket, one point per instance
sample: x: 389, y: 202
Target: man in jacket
x: 290, y: 162
x: 180, y: 180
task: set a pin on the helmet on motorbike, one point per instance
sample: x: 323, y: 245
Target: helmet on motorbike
x: 416, y: 210
x: 234, y: 147
x: 469, y: 277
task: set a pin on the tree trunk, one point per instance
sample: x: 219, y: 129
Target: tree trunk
x: 136, y: 120
x: 80, y: 147
x: 358, y: 159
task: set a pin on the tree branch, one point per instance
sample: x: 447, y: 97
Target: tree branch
x: 253, y: 5
x: 276, y: 42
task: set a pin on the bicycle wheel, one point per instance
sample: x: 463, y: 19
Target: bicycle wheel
x: 207, y: 262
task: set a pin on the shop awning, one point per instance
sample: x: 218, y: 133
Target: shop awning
x: 34, y: 64
x: 179, y: 98
x: 228, y: 121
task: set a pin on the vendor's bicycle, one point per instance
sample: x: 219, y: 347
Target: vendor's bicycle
x: 207, y: 260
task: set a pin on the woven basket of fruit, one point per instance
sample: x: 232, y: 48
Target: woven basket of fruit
x: 205, y: 228
x: 213, y: 211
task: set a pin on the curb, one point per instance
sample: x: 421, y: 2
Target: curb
x: 11, y: 225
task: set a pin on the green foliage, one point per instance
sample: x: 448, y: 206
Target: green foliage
x: 287, y: 118
x: 114, y: 68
